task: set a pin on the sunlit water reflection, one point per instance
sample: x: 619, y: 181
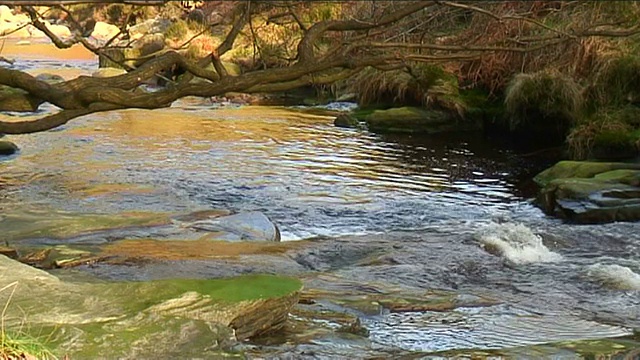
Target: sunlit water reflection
x: 314, y: 179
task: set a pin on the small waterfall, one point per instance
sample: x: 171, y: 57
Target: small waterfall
x: 614, y: 276
x: 515, y: 243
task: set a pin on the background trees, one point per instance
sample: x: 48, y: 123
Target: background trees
x: 424, y: 52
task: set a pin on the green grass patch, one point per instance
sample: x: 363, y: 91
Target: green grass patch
x: 18, y: 345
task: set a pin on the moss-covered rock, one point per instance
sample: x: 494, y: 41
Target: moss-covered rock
x: 579, y: 169
x: 346, y: 121
x: 166, y: 318
x: 8, y: 148
x: 588, y: 192
x: 416, y: 120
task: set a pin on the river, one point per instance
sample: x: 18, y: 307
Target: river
x: 448, y: 213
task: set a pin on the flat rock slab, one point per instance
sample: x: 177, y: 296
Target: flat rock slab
x: 143, y: 320
x: 591, y: 192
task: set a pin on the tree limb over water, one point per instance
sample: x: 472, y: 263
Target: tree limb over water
x: 375, y: 33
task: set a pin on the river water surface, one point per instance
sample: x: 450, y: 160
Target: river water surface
x: 455, y: 211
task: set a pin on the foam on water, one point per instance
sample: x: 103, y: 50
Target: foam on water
x: 515, y: 243
x: 614, y: 276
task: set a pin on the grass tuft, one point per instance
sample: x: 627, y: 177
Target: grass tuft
x: 553, y: 96
x: 18, y: 345
x: 617, y: 82
x: 418, y: 84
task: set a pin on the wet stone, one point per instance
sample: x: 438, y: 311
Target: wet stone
x: 7, y: 147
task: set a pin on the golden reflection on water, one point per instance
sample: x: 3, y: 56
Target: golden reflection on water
x: 156, y: 129
x: 82, y: 171
x: 194, y: 249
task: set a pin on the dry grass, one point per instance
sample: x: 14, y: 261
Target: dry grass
x: 551, y: 95
x: 419, y: 84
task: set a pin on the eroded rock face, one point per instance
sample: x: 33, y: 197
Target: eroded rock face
x: 170, y: 318
x: 591, y: 192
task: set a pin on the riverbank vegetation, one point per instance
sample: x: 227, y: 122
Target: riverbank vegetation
x: 565, y: 69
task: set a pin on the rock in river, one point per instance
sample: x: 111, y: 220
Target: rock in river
x: 591, y: 192
x: 417, y: 120
x: 177, y: 318
x: 8, y: 148
x: 244, y: 226
x: 346, y: 121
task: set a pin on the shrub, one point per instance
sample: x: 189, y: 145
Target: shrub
x: 552, y: 96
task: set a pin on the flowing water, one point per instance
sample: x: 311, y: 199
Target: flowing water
x: 456, y: 210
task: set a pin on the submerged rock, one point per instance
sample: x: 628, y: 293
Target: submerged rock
x: 590, y: 192
x: 167, y: 318
x: 8, y: 148
x: 246, y: 226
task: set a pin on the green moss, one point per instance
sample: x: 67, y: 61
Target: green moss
x: 232, y: 290
x: 361, y: 113
x: 624, y: 176
x: 579, y: 169
x: 614, y: 138
x: 19, y: 345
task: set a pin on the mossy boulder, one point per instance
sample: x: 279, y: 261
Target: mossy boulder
x: 346, y: 121
x: 175, y: 318
x: 591, y: 192
x: 8, y: 148
x: 580, y: 169
x: 417, y: 120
